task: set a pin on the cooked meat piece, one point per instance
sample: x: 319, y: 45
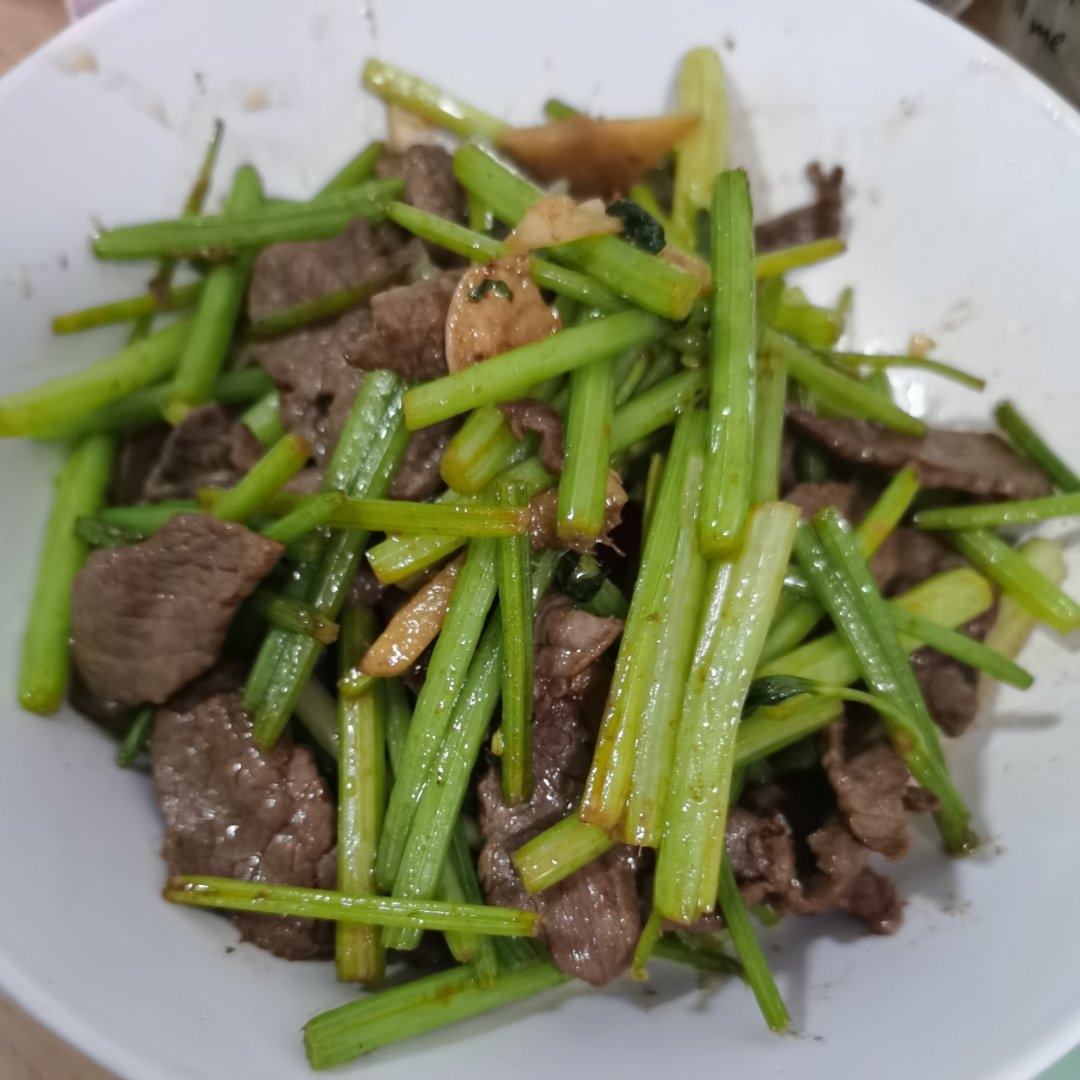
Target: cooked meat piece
x: 428, y: 172
x: 289, y: 274
x: 844, y: 881
x: 979, y: 463
x: 591, y: 919
x: 950, y: 687
x: 910, y: 556
x: 204, y: 450
x: 366, y: 589
x: 408, y: 329
x: 136, y: 457
x: 545, y: 516
x: 530, y: 415
x: 112, y: 716
x: 810, y: 498
x: 820, y: 220
x: 870, y: 780
x: 316, y: 384
x: 762, y: 855
x: 234, y: 810
x: 147, y: 619
x: 569, y: 642
x: 417, y: 477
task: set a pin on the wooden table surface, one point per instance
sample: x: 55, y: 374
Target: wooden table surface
x: 27, y: 1050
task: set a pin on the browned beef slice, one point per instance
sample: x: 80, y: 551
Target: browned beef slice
x: 910, y: 556
x: 147, y: 619
x: 979, y: 463
x: 544, y: 521
x: 810, y: 498
x: 408, y: 329
x: 136, y: 457
x: 949, y: 686
x: 233, y: 810
x: 428, y: 172
x: 764, y: 856
x: 530, y: 415
x: 818, y: 221
x: 591, y: 919
x: 417, y: 477
x: 316, y: 384
x: 870, y: 780
x: 289, y: 274
x: 204, y: 450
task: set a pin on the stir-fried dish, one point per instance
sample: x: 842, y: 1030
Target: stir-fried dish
x: 504, y: 572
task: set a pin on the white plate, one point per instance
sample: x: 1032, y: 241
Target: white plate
x: 964, y: 225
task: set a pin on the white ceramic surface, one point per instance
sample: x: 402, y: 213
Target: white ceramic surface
x: 964, y: 225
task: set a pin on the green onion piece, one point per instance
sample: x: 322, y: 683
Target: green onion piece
x: 458, y: 880
x: 68, y: 399
x: 1004, y: 566
x: 427, y: 1004
x: 558, y: 851
x: 572, y: 285
x: 516, y: 614
x: 263, y: 419
x: 963, y: 648
x: 178, y: 298
x: 583, y: 483
x: 363, y: 462
x: 137, y: 738
x: 1026, y: 439
x: 314, y: 511
x: 100, y: 534
x: 265, y: 479
x: 80, y: 491
x: 675, y: 631
x: 801, y: 616
x: 725, y: 495
x: 192, y: 205
x: 650, y: 935
x: 740, y: 599
x: 316, y: 709
x: 510, y: 375
x: 770, y: 388
x: 359, y: 954
x: 656, y: 408
x: 292, y: 614
x: 484, y: 445
x: 701, y: 156
x: 1014, y: 623
x: 147, y: 405
x: 922, y: 363
x: 609, y: 782
x: 454, y: 651
x: 146, y: 520
x: 398, y: 87
x: 837, y: 390
x: 684, y: 949
x: 354, y: 172
x: 215, y: 318
x: 313, y: 311
x: 994, y: 515
x: 643, y: 279
x: 463, y: 519
x: 843, y: 582
x: 218, y: 236
x: 774, y: 264
x: 467, y: 243
x: 755, y: 966
x: 810, y: 326
x: 262, y: 898
x: 554, y: 109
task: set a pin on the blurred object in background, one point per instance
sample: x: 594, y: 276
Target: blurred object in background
x: 951, y: 7
x: 78, y: 8
x: 1044, y: 35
